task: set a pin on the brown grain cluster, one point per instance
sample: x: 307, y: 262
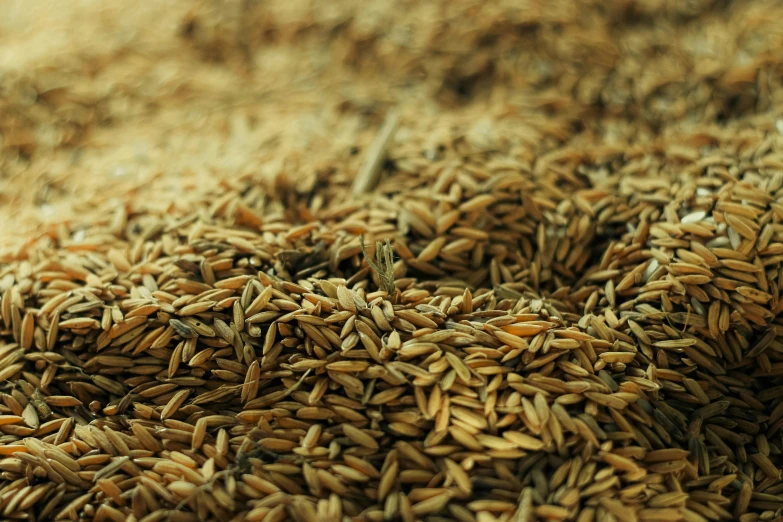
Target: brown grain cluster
x: 547, y: 288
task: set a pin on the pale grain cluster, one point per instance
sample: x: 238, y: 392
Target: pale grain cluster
x: 556, y: 302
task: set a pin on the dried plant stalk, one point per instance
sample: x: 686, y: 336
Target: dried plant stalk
x: 369, y: 175
x: 383, y: 264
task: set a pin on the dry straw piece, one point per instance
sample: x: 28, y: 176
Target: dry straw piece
x: 570, y: 313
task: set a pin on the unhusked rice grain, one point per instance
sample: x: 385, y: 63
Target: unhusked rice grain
x: 495, y: 264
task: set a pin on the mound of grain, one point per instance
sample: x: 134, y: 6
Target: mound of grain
x: 433, y: 261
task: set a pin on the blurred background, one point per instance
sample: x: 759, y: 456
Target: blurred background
x: 102, y: 99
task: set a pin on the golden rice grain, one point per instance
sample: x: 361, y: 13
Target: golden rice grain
x: 568, y: 321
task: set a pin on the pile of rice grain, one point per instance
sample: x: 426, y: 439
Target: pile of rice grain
x: 567, y: 339
x: 557, y: 303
